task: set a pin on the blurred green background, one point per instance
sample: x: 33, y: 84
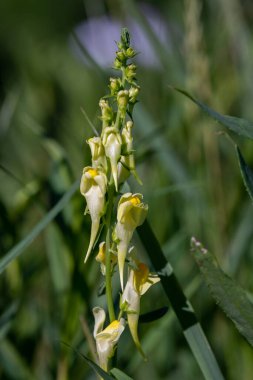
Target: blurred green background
x: 189, y: 169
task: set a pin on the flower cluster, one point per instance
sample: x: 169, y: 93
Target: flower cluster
x: 113, y: 161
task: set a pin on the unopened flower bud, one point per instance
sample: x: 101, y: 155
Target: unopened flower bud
x: 101, y: 257
x: 122, y: 99
x: 112, y: 143
x: 130, y: 72
x: 127, y: 161
x: 130, y: 53
x: 121, y: 56
x: 97, y: 152
x: 106, y: 110
x: 114, y: 85
x: 117, y: 64
x: 133, y: 93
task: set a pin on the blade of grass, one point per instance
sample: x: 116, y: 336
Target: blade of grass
x: 247, y: 173
x: 230, y: 297
x: 181, y: 306
x: 237, y: 125
x: 23, y: 244
x: 98, y: 370
x: 12, y: 363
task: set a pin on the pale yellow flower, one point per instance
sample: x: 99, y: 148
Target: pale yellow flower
x: 131, y: 214
x: 106, y: 339
x: 93, y: 188
x: 97, y: 152
x: 139, y: 281
x: 101, y: 257
x: 112, y: 143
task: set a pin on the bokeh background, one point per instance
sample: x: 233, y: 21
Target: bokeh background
x: 55, y: 60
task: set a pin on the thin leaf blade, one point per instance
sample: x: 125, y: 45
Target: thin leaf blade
x: 240, y: 126
x: 230, y: 297
x: 23, y: 244
x: 119, y: 375
x: 247, y: 173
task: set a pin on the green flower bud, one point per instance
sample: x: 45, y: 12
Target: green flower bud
x: 130, y: 72
x: 130, y: 53
x: 114, y: 85
x: 97, y: 152
x: 133, y: 93
x: 122, y: 100
x: 117, y: 64
x: 106, y: 110
x: 121, y: 56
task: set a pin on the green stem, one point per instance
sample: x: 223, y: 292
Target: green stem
x: 108, y: 277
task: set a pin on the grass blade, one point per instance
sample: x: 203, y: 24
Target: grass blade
x: 237, y: 125
x: 232, y: 299
x: 247, y: 173
x: 23, y: 244
x: 181, y: 306
x: 91, y: 364
x: 119, y: 375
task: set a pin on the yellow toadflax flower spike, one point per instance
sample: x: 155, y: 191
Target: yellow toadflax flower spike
x: 93, y: 188
x: 131, y: 214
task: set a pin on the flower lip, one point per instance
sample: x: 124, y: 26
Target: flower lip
x: 92, y: 172
x: 135, y: 200
x: 140, y: 276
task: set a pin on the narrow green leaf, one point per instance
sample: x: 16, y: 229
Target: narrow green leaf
x: 119, y: 375
x: 247, y: 173
x: 23, y: 244
x: 91, y: 364
x: 58, y: 257
x: 231, y: 298
x: 6, y: 319
x: 240, y: 126
x: 12, y: 363
x: 153, y: 315
x: 181, y: 305
x: 8, y: 314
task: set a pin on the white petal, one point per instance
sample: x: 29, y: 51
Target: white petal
x: 99, y: 315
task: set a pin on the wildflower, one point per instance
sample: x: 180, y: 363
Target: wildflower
x: 131, y: 72
x: 93, y: 188
x: 97, y: 152
x: 131, y: 214
x: 107, y: 112
x: 122, y: 100
x: 114, y: 85
x: 139, y: 281
x: 101, y: 257
x: 106, y: 339
x: 112, y: 143
x: 127, y: 161
x: 133, y: 93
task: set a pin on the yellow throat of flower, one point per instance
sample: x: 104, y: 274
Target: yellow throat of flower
x: 140, y: 276
x: 101, y: 253
x: 135, y: 201
x: 92, y: 172
x: 112, y: 327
